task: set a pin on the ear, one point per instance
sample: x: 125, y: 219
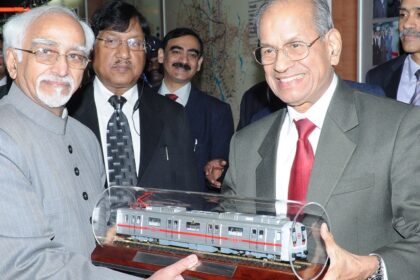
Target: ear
x: 200, y: 61
x: 11, y: 63
x: 335, y: 44
x: 161, y: 55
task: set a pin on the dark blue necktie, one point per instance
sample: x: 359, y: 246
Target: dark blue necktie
x: 121, y: 163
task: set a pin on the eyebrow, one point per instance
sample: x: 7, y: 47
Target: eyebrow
x: 48, y: 42
x: 410, y: 9
x: 176, y: 47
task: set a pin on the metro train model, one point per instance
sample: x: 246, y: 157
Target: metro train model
x: 259, y: 236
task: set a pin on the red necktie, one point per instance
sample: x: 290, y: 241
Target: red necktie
x: 302, y: 164
x: 172, y: 96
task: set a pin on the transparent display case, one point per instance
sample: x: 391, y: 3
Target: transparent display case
x: 141, y: 230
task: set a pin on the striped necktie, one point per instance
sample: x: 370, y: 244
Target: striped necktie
x: 415, y: 100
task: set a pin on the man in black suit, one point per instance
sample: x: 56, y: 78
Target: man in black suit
x: 159, y: 128
x: 397, y: 76
x: 210, y: 119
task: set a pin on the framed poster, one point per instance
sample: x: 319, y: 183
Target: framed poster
x: 378, y: 37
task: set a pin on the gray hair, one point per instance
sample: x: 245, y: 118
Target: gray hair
x: 322, y: 16
x: 14, y: 30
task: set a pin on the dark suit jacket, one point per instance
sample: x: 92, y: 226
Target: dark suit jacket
x: 366, y: 173
x: 387, y: 76
x: 163, y: 126
x: 211, y: 125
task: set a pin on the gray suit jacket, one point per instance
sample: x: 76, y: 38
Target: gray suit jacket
x: 51, y: 174
x: 366, y: 173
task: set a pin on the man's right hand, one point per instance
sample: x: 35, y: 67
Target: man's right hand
x: 213, y: 171
x: 173, y: 271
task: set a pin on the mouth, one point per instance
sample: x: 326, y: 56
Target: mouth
x: 290, y: 79
x: 56, y: 83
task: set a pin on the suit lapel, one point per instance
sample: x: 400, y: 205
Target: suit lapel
x: 335, y: 146
x: 150, y: 129
x: 266, y: 171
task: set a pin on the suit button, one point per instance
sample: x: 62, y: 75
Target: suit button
x: 85, y: 195
x: 76, y: 171
x: 70, y: 149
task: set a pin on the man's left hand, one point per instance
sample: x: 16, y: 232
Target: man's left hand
x: 345, y: 265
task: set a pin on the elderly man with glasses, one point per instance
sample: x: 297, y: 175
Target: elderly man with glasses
x: 156, y: 147
x: 51, y: 165
x: 355, y: 153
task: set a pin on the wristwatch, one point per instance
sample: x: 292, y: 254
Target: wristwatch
x: 379, y: 273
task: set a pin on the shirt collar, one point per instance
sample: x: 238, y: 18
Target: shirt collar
x: 104, y: 94
x: 316, y: 113
x: 412, y: 68
x: 183, y: 92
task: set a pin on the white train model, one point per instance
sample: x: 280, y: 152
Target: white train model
x: 229, y: 233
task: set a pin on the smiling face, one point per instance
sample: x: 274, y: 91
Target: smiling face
x: 298, y: 83
x: 50, y: 86
x: 181, y: 60
x: 119, y: 68
x: 409, y: 27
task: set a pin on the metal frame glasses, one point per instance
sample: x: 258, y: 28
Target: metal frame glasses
x: 266, y: 55
x: 132, y: 43
x: 49, y: 57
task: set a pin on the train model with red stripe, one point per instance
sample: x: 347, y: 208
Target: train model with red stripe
x: 258, y: 236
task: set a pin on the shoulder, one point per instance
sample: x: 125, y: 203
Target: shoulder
x: 209, y: 100
x: 386, y: 67
x: 256, y: 131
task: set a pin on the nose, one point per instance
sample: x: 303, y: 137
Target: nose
x: 282, y: 62
x: 61, y: 66
x: 123, y: 51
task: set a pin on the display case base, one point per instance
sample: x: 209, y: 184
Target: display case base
x: 145, y: 261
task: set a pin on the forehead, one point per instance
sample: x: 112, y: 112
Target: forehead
x: 284, y: 21
x: 133, y: 30
x: 187, y: 42
x: 56, y: 27
x: 410, y: 4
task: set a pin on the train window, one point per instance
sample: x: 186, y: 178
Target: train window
x: 216, y: 229
x: 154, y: 222
x: 210, y: 228
x: 138, y: 220
x: 126, y: 218
x: 261, y: 233
x: 254, y: 232
x: 193, y: 226
x: 175, y: 224
x: 235, y: 231
x: 278, y: 235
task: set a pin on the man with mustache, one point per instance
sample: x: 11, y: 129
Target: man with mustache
x: 398, y: 77
x: 210, y: 119
x: 51, y: 167
x: 159, y: 137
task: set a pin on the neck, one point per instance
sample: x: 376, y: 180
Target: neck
x: 173, y: 86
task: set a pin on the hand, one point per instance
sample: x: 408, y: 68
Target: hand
x: 174, y: 270
x: 343, y: 264
x: 214, y: 170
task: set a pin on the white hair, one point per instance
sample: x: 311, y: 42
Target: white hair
x: 14, y: 30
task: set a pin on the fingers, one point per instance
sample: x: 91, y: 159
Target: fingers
x: 174, y: 271
x: 182, y: 265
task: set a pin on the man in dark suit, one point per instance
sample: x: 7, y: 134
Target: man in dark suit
x: 159, y: 128
x: 358, y: 153
x: 397, y: 76
x: 210, y: 119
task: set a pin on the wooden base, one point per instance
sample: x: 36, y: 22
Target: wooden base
x: 145, y: 261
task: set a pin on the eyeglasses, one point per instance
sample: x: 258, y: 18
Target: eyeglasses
x: 49, y: 57
x: 132, y: 43
x: 294, y: 51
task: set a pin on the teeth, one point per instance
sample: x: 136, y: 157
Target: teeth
x: 289, y: 79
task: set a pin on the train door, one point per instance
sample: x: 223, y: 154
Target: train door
x: 172, y: 228
x: 257, y: 239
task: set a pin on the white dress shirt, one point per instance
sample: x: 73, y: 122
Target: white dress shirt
x: 183, y: 92
x: 286, y: 148
x: 105, y: 110
x: 407, y: 85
